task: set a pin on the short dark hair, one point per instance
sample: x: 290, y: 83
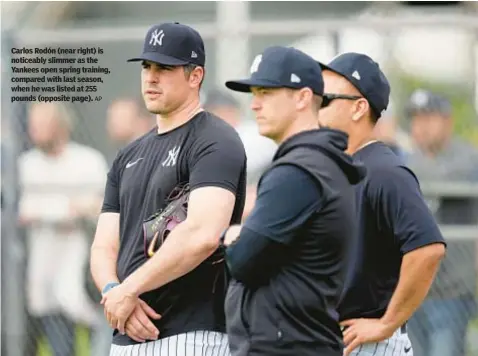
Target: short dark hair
x: 373, y: 116
x: 188, y: 68
x: 317, y: 102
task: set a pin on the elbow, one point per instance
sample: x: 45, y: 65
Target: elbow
x: 237, y: 273
x: 240, y: 269
x: 207, y: 241
x: 210, y: 245
x: 244, y: 276
x: 100, y: 252
x: 95, y: 248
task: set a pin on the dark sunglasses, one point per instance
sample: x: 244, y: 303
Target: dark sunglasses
x: 328, y: 98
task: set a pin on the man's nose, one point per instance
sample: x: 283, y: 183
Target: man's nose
x: 151, y: 76
x: 255, y: 103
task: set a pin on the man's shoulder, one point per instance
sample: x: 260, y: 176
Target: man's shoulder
x: 211, y: 125
x: 84, y: 150
x: 378, y: 155
x: 212, y: 130
x: 464, y: 149
x: 390, y: 179
x: 30, y: 154
x: 145, y: 139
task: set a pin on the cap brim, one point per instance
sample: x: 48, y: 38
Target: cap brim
x: 244, y: 86
x: 346, y: 76
x: 159, y: 58
x: 326, y: 67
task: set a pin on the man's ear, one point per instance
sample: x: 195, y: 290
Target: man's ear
x: 196, y: 76
x: 360, y: 109
x: 305, y: 97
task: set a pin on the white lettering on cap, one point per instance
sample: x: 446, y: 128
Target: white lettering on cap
x: 255, y: 63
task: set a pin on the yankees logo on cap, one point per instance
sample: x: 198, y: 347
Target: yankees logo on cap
x: 172, y: 44
x: 282, y: 67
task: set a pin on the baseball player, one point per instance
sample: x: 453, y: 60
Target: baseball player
x: 288, y: 263
x: 166, y: 301
x: 399, y: 245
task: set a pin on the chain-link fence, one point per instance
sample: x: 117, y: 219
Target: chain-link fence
x: 233, y: 33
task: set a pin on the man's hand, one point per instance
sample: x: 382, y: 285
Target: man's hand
x: 139, y: 327
x: 232, y: 235
x: 119, y: 304
x: 364, y: 331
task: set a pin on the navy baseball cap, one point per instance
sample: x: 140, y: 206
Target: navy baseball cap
x: 173, y: 44
x: 424, y: 101
x: 282, y: 67
x: 366, y: 75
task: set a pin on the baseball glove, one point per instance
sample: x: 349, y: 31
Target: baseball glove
x: 158, y: 226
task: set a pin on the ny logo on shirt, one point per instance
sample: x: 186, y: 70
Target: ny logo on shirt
x: 172, y: 157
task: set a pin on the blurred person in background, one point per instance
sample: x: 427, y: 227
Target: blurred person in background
x: 12, y: 233
x: 259, y: 150
x: 439, y: 327
x: 127, y: 119
x: 389, y: 132
x: 62, y: 185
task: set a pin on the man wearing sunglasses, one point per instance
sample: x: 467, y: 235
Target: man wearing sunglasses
x: 399, y: 245
x: 288, y: 261
x: 170, y: 300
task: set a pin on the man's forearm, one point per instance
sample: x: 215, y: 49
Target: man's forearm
x: 417, y: 273
x: 103, y: 266
x: 181, y: 252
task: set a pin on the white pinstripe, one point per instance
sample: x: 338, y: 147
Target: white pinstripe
x: 394, y: 346
x: 195, y: 343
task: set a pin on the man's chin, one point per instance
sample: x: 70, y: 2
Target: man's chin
x: 265, y: 132
x: 46, y: 147
x: 153, y: 109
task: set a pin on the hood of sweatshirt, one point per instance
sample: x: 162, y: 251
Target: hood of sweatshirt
x: 330, y: 142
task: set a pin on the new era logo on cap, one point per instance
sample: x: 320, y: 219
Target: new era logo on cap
x: 282, y: 67
x: 173, y: 44
x: 294, y: 78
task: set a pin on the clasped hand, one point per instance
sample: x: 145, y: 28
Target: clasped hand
x: 364, y: 331
x: 129, y: 314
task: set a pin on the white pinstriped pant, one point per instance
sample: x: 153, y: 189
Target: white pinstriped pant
x: 194, y: 343
x: 397, y: 345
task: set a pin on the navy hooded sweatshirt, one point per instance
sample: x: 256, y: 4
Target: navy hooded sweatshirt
x: 289, y: 263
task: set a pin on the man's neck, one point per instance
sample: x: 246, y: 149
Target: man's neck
x: 435, y: 150
x: 178, y: 117
x: 57, y: 149
x: 358, y: 142
x: 305, y: 123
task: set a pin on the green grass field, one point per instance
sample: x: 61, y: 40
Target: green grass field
x: 82, y: 344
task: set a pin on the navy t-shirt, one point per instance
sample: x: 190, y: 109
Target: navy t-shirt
x: 205, y: 151
x: 394, y: 219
